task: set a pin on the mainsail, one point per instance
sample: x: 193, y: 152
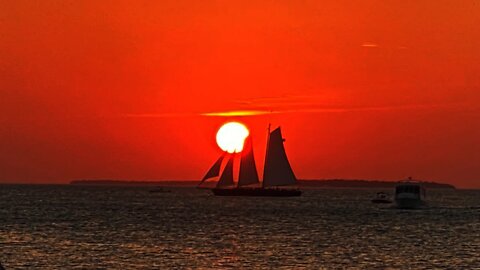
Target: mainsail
x: 248, y: 170
x: 214, y: 170
x: 277, y: 170
x: 226, y: 179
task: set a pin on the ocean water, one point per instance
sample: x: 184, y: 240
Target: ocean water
x: 80, y: 227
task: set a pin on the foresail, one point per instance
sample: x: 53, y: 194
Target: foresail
x: 248, y: 170
x: 226, y: 179
x: 214, y: 170
x: 277, y: 169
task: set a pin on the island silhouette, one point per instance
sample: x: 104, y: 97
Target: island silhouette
x: 304, y: 183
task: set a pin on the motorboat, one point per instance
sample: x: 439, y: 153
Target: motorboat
x: 381, y: 197
x: 410, y: 195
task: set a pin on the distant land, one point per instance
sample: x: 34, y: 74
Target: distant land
x: 326, y: 183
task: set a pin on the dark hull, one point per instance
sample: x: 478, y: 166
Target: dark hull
x: 257, y: 192
x: 408, y: 203
x: 381, y: 201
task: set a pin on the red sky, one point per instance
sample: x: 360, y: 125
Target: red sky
x: 120, y: 89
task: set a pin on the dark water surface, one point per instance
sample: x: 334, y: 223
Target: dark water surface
x: 75, y: 227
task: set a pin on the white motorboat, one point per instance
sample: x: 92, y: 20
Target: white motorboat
x: 410, y: 195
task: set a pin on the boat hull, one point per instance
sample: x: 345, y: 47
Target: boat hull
x: 409, y: 203
x: 257, y: 192
x: 381, y: 201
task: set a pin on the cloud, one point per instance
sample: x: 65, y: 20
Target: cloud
x: 369, y: 45
x: 314, y: 103
x: 237, y: 113
x: 157, y: 115
x: 320, y: 109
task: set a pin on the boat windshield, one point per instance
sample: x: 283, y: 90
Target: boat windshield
x: 381, y: 195
x: 408, y: 189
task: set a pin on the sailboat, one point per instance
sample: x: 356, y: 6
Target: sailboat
x: 277, y: 172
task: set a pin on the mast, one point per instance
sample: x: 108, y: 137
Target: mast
x: 214, y: 170
x: 226, y: 179
x: 277, y: 170
x: 248, y: 169
x: 266, y: 153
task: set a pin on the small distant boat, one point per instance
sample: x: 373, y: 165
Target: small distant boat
x: 159, y: 190
x: 277, y: 172
x: 410, y: 195
x: 381, y: 197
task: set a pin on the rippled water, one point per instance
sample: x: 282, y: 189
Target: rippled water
x: 74, y: 227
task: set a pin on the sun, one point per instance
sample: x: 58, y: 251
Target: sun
x: 231, y: 136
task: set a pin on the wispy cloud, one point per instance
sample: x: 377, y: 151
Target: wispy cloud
x: 189, y: 114
x: 157, y: 115
x: 236, y: 113
x: 372, y: 108
x: 317, y: 104
x: 369, y: 45
x: 313, y: 103
x: 267, y: 103
x: 333, y: 109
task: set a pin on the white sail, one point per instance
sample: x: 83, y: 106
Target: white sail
x: 214, y: 170
x: 226, y: 179
x: 277, y: 169
x: 248, y: 170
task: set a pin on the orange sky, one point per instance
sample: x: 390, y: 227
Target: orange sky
x: 120, y: 89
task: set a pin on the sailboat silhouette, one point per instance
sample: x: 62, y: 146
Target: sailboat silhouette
x: 277, y: 172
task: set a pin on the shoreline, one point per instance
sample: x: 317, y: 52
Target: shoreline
x: 314, y: 183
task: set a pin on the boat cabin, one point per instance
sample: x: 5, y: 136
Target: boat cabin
x: 410, y: 188
x: 409, y: 195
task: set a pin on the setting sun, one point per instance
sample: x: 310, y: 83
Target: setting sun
x: 231, y: 136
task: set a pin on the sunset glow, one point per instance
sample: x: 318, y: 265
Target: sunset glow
x: 240, y: 134
x: 231, y: 136
x: 362, y: 89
